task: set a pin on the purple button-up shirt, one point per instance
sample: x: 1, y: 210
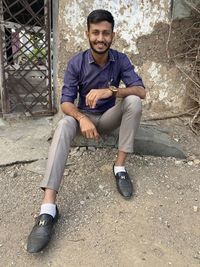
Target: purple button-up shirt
x: 83, y: 74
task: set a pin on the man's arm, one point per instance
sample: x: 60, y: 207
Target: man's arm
x: 133, y: 90
x: 96, y: 94
x: 87, y: 128
x: 71, y: 110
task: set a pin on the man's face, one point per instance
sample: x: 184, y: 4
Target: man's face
x: 100, y: 36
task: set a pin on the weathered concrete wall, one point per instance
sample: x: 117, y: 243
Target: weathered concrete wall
x: 138, y: 35
x: 182, y: 9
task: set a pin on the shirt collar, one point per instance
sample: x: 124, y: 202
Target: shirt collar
x: 91, y: 59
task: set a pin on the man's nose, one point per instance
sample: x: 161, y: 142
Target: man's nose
x: 100, y: 37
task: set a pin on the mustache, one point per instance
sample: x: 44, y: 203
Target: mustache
x: 100, y: 43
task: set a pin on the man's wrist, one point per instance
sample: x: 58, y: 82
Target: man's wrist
x: 80, y: 117
x: 113, y: 89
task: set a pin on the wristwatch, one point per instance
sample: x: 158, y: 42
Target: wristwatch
x: 113, y: 89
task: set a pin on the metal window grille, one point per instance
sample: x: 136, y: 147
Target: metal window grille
x: 26, y: 58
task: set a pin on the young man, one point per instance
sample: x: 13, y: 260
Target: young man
x: 95, y: 75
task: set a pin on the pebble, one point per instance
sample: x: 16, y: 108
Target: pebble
x: 66, y: 173
x: 13, y: 174
x: 191, y: 158
x: 178, y: 162
x: 196, y: 161
x: 82, y: 202
x: 82, y: 148
x: 167, y: 224
x: 91, y: 148
x: 190, y: 163
x: 149, y: 192
x: 195, y: 208
x: 91, y: 194
x: 101, y: 187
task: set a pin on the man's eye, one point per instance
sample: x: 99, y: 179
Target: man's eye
x: 95, y: 33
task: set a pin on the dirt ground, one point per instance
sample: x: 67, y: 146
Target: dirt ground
x: 158, y: 227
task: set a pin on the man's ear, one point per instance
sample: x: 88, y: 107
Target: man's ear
x: 87, y: 34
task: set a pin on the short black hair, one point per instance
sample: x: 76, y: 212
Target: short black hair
x: 100, y: 15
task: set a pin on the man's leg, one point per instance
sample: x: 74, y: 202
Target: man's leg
x: 127, y: 115
x: 58, y: 153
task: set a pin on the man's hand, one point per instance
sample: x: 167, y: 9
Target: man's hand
x: 88, y: 129
x: 95, y: 94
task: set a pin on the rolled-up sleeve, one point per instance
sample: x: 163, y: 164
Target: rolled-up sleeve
x: 128, y: 74
x: 70, y: 86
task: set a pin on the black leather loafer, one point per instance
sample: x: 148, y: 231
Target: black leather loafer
x: 124, y: 184
x: 41, y: 232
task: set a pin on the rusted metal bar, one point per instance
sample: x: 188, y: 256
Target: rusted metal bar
x: 27, y: 94
x: 48, y: 23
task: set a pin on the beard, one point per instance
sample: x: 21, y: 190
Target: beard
x: 100, y: 52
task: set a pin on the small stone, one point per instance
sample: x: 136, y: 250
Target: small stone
x: 106, y: 193
x: 190, y: 163
x: 195, y: 208
x: 196, y: 256
x: 178, y: 162
x: 1, y: 245
x: 13, y: 174
x: 66, y: 173
x: 82, y: 202
x: 167, y: 224
x: 149, y: 192
x: 196, y: 161
x: 168, y: 186
x: 82, y: 148
x: 91, y: 148
x: 191, y: 158
x: 101, y: 187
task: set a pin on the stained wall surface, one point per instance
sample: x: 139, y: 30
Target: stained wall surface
x: 142, y: 29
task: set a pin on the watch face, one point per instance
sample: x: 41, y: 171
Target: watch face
x: 113, y: 88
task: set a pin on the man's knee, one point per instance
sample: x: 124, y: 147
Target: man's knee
x: 67, y: 121
x: 133, y: 103
x: 67, y: 125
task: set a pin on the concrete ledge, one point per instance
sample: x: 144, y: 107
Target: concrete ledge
x: 150, y: 140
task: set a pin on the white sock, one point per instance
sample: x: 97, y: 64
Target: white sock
x: 119, y: 169
x: 48, y: 208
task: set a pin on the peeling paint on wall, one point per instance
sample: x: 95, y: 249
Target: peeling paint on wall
x: 164, y: 86
x: 133, y: 17
x: 137, y: 23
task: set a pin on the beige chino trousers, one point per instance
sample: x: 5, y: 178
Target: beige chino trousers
x: 126, y: 115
